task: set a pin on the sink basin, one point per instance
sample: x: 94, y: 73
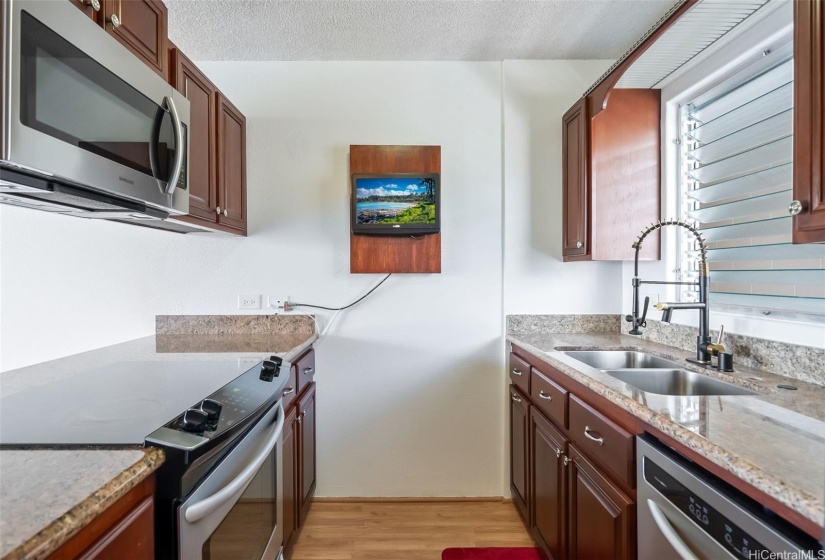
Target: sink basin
x: 621, y: 359
x: 679, y: 382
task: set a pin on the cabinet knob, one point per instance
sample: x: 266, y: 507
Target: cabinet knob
x: 796, y: 207
x: 299, y: 418
x: 225, y: 212
x: 308, y: 371
x: 579, y: 244
x: 558, y: 452
x: 114, y: 20
x: 218, y: 210
x: 566, y: 460
x: 95, y: 4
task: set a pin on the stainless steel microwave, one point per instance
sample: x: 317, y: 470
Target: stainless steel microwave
x: 87, y: 128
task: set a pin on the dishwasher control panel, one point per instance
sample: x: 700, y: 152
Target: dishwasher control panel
x: 723, y: 531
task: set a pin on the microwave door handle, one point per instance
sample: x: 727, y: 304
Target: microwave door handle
x: 669, y: 533
x: 154, y: 140
x: 201, y: 509
x: 172, y: 184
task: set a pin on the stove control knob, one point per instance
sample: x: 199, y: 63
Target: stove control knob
x: 269, y: 370
x: 194, y: 421
x: 212, y: 408
x: 277, y: 359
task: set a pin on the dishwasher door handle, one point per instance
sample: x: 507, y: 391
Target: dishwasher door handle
x: 669, y: 533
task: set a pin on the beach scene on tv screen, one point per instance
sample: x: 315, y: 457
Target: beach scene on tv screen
x: 393, y: 200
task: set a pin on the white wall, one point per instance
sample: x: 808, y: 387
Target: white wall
x: 409, y: 399
x: 536, y: 280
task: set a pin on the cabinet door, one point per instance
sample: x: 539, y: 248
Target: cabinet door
x: 133, y: 538
x: 306, y: 446
x: 140, y: 26
x: 202, y: 136
x: 547, y: 484
x: 600, y: 515
x: 809, y: 121
x: 575, y: 183
x: 290, y: 458
x: 87, y: 7
x: 519, y: 420
x: 231, y: 165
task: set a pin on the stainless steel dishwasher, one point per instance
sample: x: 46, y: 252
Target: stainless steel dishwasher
x: 685, y: 512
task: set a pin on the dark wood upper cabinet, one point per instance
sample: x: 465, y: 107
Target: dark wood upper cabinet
x: 519, y: 459
x: 87, y: 7
x: 306, y: 450
x: 231, y: 165
x: 809, y: 121
x: 548, y: 484
x: 140, y: 26
x: 601, y: 516
x: 611, y: 177
x: 575, y: 184
x: 202, y: 135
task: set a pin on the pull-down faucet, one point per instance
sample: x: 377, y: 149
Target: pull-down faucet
x: 704, y: 347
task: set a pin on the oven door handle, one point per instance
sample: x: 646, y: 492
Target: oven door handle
x: 669, y: 533
x: 172, y: 184
x: 201, y: 509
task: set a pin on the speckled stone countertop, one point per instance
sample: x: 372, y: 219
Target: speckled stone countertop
x: 774, y: 441
x: 48, y: 495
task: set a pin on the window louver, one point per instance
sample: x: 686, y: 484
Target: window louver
x: 737, y: 161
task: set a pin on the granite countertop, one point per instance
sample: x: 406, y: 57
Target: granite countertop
x: 774, y: 440
x: 48, y: 495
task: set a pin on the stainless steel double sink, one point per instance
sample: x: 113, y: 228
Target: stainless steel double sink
x: 654, y: 374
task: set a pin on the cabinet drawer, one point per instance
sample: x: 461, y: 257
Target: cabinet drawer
x: 291, y: 389
x: 550, y: 398
x: 520, y: 373
x: 603, y: 440
x: 305, y: 370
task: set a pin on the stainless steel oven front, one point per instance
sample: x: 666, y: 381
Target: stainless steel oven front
x: 80, y: 107
x: 235, y: 512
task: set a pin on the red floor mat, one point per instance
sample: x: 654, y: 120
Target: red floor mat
x: 491, y: 554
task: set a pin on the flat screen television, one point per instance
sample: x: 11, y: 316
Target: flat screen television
x: 396, y: 203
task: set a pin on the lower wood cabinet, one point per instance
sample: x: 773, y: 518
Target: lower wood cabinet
x: 519, y: 449
x: 306, y: 452
x: 601, y: 517
x: 126, y: 530
x: 299, y: 454
x: 549, y: 448
x: 577, y: 501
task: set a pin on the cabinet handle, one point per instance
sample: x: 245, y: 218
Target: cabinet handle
x: 289, y: 390
x: 796, y: 207
x: 579, y: 244
x: 114, y: 20
x: 95, y: 4
x: 598, y: 440
x: 304, y: 413
x: 517, y: 372
x: 218, y: 210
x: 545, y: 397
x: 566, y: 460
x: 225, y: 212
x: 516, y: 398
x: 299, y: 418
x: 308, y: 371
x: 558, y: 452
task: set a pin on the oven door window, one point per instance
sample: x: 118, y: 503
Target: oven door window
x: 245, y: 532
x: 68, y: 95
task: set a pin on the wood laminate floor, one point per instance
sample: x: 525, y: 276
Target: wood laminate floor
x: 405, y: 531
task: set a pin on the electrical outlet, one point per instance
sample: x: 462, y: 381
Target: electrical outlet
x: 278, y: 302
x: 249, y: 302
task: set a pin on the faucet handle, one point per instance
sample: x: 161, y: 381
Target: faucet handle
x: 718, y: 348
x: 721, y: 334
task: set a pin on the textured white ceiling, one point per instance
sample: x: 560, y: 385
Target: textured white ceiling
x: 409, y: 29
